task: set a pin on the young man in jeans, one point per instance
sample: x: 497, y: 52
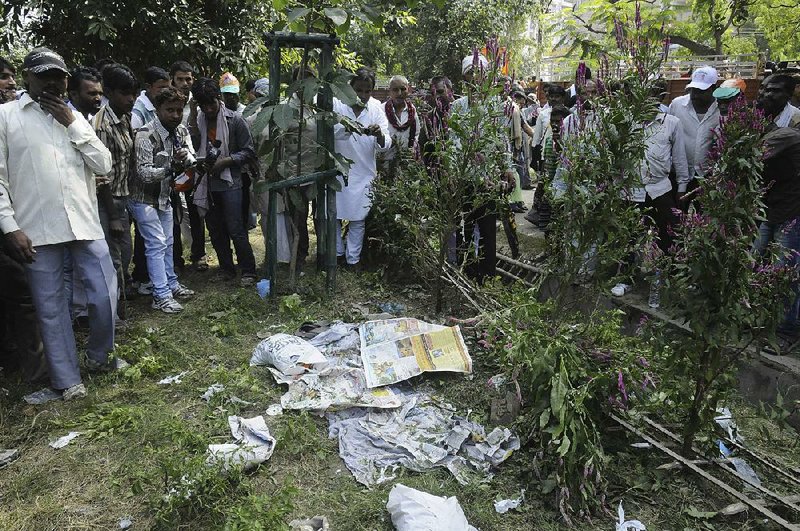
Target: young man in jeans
x: 223, y: 191
x: 163, y: 151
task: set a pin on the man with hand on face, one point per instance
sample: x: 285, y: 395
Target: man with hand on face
x: 774, y: 95
x: 699, y: 116
x: 49, y: 156
x: 8, y: 83
x: 85, y: 91
x: 354, y: 200
x: 163, y: 152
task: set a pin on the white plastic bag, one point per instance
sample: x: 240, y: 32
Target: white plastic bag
x: 414, y: 510
x: 289, y: 354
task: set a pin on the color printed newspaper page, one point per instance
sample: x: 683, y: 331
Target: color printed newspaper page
x: 394, y: 350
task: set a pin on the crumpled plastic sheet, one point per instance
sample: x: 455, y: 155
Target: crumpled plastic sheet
x: 254, y: 444
x: 61, y: 442
x: 627, y: 525
x: 339, y: 337
x: 419, y: 436
x: 416, y: 510
x: 503, y: 506
x: 211, y: 391
x: 724, y: 420
x: 176, y: 379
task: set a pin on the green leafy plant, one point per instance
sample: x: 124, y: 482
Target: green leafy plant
x: 572, y: 370
x: 461, y: 170
x: 262, y: 512
x: 716, y: 284
x: 596, y: 227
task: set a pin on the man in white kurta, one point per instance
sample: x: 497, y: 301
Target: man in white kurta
x: 48, y: 207
x: 355, y: 199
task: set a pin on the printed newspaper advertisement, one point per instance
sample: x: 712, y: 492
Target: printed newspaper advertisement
x: 394, y: 350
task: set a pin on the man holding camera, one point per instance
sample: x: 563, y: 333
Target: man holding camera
x: 163, y: 151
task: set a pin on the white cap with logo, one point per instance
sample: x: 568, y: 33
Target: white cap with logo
x: 703, y: 78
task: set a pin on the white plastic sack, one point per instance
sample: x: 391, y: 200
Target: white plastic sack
x: 289, y: 354
x: 414, y: 510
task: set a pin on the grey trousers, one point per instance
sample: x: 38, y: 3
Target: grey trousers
x: 92, y: 266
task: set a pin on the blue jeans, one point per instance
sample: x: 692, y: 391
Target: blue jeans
x: 93, y: 268
x: 155, y: 226
x: 787, y: 236
x: 225, y: 225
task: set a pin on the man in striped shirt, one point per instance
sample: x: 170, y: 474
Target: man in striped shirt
x: 113, y: 127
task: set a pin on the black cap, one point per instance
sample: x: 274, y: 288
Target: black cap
x: 43, y: 59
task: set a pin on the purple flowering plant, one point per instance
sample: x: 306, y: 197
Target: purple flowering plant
x: 730, y: 297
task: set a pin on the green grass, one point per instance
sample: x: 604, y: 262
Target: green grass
x: 142, y: 439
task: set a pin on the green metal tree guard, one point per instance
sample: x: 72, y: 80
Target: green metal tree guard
x: 326, y: 195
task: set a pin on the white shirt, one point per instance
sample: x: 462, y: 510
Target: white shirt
x: 354, y: 200
x: 400, y: 138
x: 697, y: 134
x: 542, y: 124
x: 47, y: 175
x: 664, y: 147
x: 789, y: 116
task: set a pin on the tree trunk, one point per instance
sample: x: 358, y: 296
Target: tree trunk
x: 439, y: 270
x: 695, y: 417
x: 695, y: 47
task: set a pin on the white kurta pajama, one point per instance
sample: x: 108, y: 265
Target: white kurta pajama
x: 355, y: 199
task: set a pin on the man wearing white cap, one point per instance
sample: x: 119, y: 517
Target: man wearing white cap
x: 699, y: 116
x: 49, y: 156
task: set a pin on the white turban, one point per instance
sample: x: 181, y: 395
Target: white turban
x: 469, y: 61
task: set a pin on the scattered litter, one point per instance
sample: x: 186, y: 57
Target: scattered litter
x: 274, y: 410
x: 503, y: 506
x: 61, y: 442
x: 318, y: 523
x: 383, y: 316
x: 125, y: 523
x: 290, y: 355
x: 414, y: 510
x: 641, y: 445
x: 212, y: 390
x: 419, y: 436
x: 742, y: 467
x: 176, y: 379
x: 254, y: 444
x: 8, y: 456
x: 339, y: 381
x: 237, y: 400
x: 497, y: 381
x: 620, y: 289
x: 628, y: 525
x: 263, y: 288
x: 724, y: 420
x: 42, y: 396
x: 337, y: 338
x: 395, y: 308
x: 395, y: 350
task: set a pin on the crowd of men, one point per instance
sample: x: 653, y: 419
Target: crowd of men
x: 101, y: 170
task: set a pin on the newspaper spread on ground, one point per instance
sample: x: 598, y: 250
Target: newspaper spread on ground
x: 394, y: 350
